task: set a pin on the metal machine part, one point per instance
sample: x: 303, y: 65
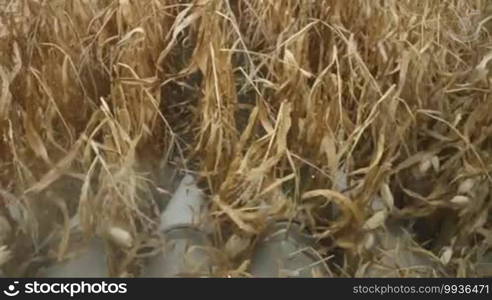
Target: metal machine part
x: 89, y: 261
x: 185, y: 245
x: 484, y: 266
x: 287, y: 251
x: 185, y: 207
x: 396, y: 256
x: 185, y: 253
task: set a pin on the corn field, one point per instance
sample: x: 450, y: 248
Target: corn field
x: 368, y: 123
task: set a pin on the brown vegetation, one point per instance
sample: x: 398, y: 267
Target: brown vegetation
x: 343, y: 115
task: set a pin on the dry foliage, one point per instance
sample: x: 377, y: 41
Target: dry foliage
x: 343, y: 115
